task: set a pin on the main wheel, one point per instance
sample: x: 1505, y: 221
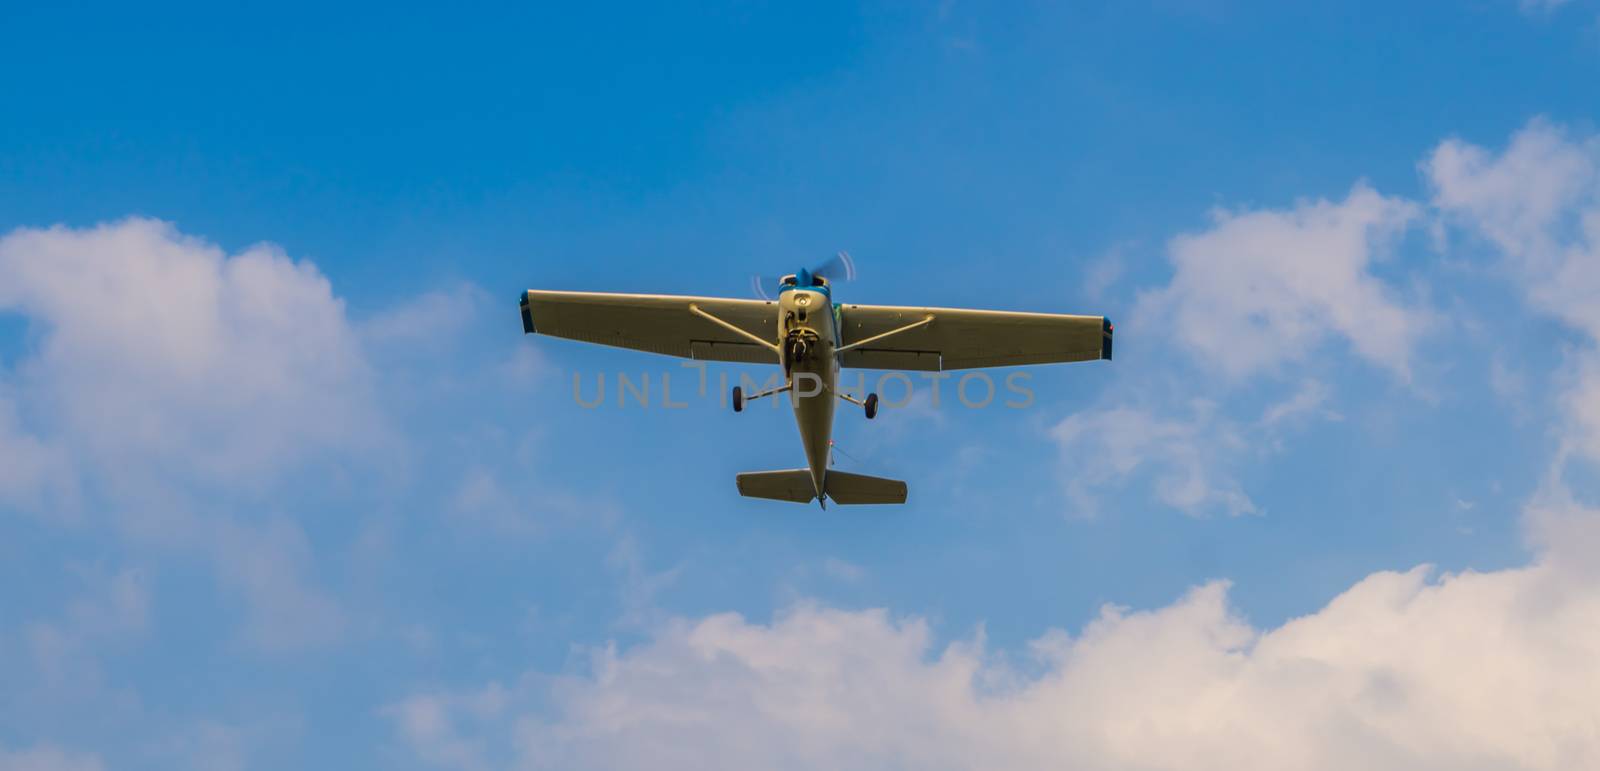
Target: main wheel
x: 738, y: 399
x: 872, y: 406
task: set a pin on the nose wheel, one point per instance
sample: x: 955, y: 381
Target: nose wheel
x: 738, y: 399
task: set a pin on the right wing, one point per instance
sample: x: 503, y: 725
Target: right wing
x: 654, y: 323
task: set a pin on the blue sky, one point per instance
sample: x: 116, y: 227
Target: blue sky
x: 284, y: 485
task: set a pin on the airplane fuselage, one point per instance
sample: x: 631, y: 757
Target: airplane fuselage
x: 809, y: 331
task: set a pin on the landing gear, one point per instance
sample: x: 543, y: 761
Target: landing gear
x: 739, y: 398
x: 870, y: 404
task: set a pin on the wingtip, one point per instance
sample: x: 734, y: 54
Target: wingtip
x: 1105, y: 337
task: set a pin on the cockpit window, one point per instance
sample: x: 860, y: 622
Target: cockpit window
x: 788, y: 280
x: 818, y: 281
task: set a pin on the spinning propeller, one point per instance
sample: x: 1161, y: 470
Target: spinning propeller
x: 839, y: 267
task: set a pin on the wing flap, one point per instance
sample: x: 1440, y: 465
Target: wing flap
x: 887, y: 358
x: 718, y: 350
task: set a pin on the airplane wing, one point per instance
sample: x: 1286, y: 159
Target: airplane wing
x: 663, y: 324
x: 965, y: 339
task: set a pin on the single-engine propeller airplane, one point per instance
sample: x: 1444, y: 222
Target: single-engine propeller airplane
x: 815, y: 337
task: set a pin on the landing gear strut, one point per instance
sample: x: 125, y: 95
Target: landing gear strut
x: 739, y: 398
x: 870, y: 404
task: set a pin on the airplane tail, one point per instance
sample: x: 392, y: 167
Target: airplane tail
x: 838, y: 486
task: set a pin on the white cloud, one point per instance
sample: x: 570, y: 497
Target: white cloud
x: 1309, y: 400
x: 48, y: 758
x: 269, y: 564
x: 1268, y: 287
x: 161, y: 349
x: 438, y: 726
x: 1538, y: 204
x: 168, y: 374
x: 1581, y: 402
x: 431, y: 320
x: 34, y: 472
x: 1105, y: 271
x: 1187, y: 456
x: 1401, y: 671
x: 1258, y: 291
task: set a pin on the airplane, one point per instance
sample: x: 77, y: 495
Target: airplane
x: 812, y: 337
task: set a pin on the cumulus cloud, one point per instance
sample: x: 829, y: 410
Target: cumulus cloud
x: 1537, y: 204
x: 1267, y: 287
x: 1401, y: 671
x: 1190, y: 454
x: 1256, y: 292
x: 34, y: 472
x: 161, y: 348
x: 1580, y: 400
x: 1186, y: 454
x: 1264, y: 288
x: 167, y: 378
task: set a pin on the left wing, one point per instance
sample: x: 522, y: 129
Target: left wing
x: 957, y: 338
x: 665, y: 324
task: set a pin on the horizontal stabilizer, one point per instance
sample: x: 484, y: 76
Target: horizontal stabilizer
x: 859, y: 488
x: 787, y: 485
x: 840, y: 487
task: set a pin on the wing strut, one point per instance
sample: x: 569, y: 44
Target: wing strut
x: 875, y: 338
x: 695, y: 309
